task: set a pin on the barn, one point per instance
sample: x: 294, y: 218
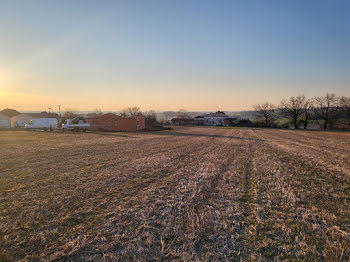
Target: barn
x: 113, y: 122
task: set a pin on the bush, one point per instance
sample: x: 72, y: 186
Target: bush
x: 283, y: 125
x: 260, y: 123
x: 245, y: 123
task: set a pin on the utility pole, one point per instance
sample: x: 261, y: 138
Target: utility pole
x: 59, y: 113
x: 49, y: 110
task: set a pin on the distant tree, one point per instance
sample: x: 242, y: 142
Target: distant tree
x: 266, y: 111
x: 324, y: 108
x: 307, y: 112
x: 169, y: 115
x: 68, y: 114
x: 182, y: 114
x: 344, y: 106
x: 95, y: 113
x: 151, y: 119
x: 130, y: 111
x: 293, y: 109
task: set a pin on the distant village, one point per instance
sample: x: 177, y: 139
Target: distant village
x: 10, y: 118
x: 98, y: 121
x: 219, y: 118
x: 323, y: 112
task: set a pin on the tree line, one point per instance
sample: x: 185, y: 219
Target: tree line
x: 299, y: 110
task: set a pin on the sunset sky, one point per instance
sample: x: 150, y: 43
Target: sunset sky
x: 166, y: 55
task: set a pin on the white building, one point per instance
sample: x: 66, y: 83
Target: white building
x: 215, y: 119
x: 218, y: 118
x: 20, y: 120
x: 4, y: 121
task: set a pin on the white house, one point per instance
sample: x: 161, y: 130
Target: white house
x: 215, y: 119
x: 4, y: 121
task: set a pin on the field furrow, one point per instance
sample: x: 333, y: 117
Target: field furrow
x: 187, y: 194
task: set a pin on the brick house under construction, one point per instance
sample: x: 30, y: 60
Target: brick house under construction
x: 113, y: 122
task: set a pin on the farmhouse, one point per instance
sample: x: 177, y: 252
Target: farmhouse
x: 215, y: 119
x: 4, y: 121
x: 20, y: 120
x: 218, y: 118
x: 113, y: 122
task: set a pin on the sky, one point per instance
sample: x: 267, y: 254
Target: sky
x: 167, y: 55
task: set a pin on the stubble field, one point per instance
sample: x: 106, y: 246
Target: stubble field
x: 189, y: 194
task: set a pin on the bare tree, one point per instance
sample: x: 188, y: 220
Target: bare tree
x: 151, y: 119
x: 95, y: 113
x: 168, y: 115
x: 130, y: 111
x: 293, y: 108
x: 306, y: 112
x: 344, y: 106
x: 324, y: 106
x: 265, y: 110
x: 182, y: 114
x: 68, y: 113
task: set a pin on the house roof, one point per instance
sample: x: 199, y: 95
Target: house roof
x: 112, y: 115
x: 3, y: 117
x: 216, y: 114
x: 43, y: 115
x: 21, y: 116
x: 9, y: 112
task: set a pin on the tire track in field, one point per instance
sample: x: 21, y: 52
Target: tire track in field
x: 128, y: 201
x: 179, y: 200
x: 333, y: 161
x: 93, y: 190
x: 50, y: 155
x: 303, y: 205
x: 248, y: 203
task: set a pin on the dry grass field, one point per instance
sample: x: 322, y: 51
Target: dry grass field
x: 189, y: 194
